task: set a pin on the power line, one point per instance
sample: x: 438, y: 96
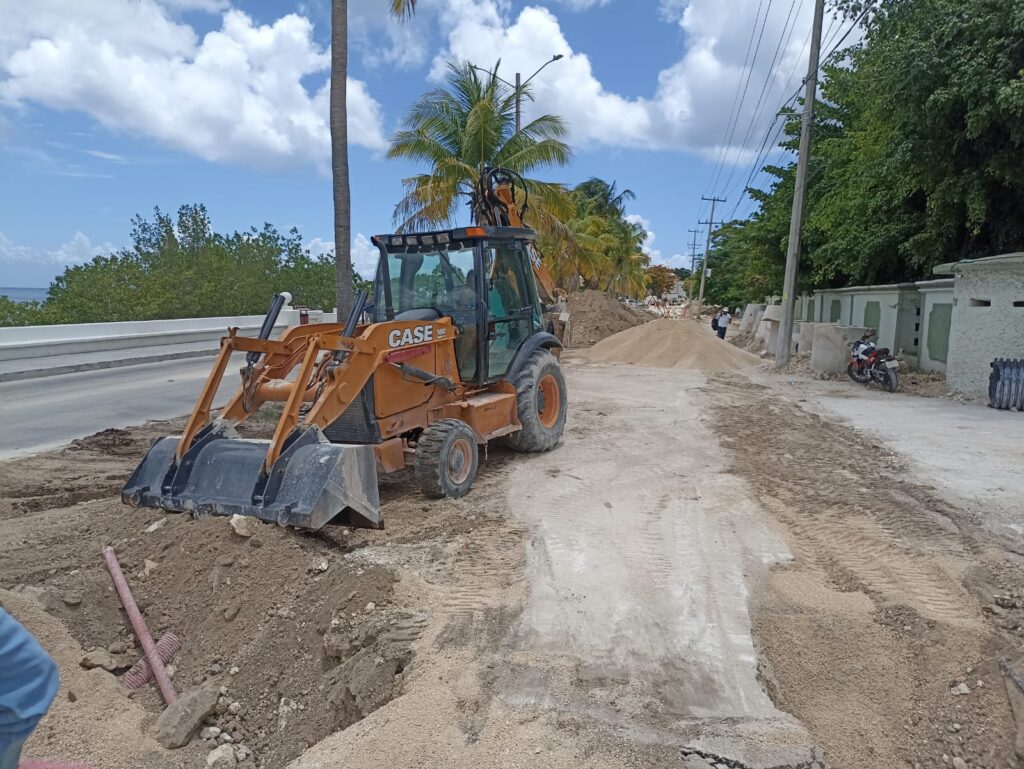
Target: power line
x: 746, y: 58
x: 762, y: 156
x: 726, y: 189
x: 735, y: 115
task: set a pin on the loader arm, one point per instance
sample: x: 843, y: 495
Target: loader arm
x: 323, y: 381
x: 510, y: 211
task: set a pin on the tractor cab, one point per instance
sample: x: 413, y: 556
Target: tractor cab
x: 480, y: 277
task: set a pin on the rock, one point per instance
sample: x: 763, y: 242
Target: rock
x: 232, y: 610
x: 228, y: 559
x: 71, y: 597
x: 118, y: 647
x: 242, y: 752
x: 235, y: 708
x: 234, y: 671
x: 693, y: 761
x: 224, y: 738
x: 177, y: 724
x: 148, y: 566
x: 243, y: 525
x: 158, y: 524
x: 210, y: 732
x: 99, y: 658
x: 371, y: 606
x: 72, y: 697
x: 221, y: 757
x: 322, y: 565
x: 960, y: 689
x: 959, y: 763
x: 216, y: 668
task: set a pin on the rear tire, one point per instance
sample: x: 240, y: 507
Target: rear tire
x: 541, y: 404
x: 446, y: 459
x: 891, y: 380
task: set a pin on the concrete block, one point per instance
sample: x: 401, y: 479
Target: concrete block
x: 772, y: 312
x: 830, y: 352
x: 759, y: 325
x: 771, y: 335
x: 749, y: 315
x: 804, y: 336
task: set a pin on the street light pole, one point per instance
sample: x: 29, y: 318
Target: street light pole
x: 519, y: 106
x: 520, y: 85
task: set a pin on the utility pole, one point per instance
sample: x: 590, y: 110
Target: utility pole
x: 693, y: 253
x: 707, y: 252
x: 799, y: 194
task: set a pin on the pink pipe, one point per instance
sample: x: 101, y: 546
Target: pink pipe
x: 139, y: 626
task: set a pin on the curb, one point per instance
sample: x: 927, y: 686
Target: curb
x: 18, y: 376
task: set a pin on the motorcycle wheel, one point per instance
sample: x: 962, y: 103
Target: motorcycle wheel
x: 891, y: 380
x: 863, y: 377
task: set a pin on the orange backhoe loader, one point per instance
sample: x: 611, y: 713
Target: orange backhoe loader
x: 456, y: 349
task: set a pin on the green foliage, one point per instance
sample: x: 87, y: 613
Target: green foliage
x: 181, y: 268
x: 596, y: 246
x: 918, y: 146
x: 20, y: 313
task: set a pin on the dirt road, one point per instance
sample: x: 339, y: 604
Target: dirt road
x: 705, y: 568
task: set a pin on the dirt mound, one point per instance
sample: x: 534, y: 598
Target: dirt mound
x: 669, y: 343
x: 595, y: 316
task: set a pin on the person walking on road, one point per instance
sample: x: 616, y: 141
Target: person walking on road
x: 724, y: 319
x: 28, y: 684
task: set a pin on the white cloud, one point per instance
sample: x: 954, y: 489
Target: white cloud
x: 584, y: 5
x: 686, y: 108
x: 364, y: 254
x: 78, y: 250
x: 674, y: 261
x: 236, y: 95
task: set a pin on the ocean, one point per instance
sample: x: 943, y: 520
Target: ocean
x: 24, y: 294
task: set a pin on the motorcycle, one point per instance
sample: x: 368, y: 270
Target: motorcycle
x: 870, y: 363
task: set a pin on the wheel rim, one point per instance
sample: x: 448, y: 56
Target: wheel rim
x: 460, y: 461
x: 549, y: 401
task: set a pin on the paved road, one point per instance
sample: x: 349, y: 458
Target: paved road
x: 40, y: 414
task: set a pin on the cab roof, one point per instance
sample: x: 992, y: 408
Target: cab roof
x: 458, y: 234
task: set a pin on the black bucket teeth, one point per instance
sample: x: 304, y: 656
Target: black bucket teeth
x: 313, y: 482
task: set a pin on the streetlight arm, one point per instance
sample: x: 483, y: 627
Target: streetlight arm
x: 553, y: 59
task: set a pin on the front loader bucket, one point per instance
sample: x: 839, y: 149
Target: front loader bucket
x: 312, y: 483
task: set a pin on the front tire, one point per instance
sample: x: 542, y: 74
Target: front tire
x: 863, y: 377
x: 541, y: 403
x: 446, y: 459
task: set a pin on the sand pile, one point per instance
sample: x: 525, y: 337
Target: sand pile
x: 669, y: 343
x: 595, y: 316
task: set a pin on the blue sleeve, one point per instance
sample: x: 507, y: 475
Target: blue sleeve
x: 28, y: 678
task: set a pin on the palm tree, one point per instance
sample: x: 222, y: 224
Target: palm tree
x: 605, y: 198
x: 460, y: 129
x: 339, y: 146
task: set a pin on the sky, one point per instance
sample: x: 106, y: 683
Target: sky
x: 111, y: 107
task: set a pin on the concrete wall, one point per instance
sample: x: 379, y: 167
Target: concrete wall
x: 892, y: 311
x: 987, y: 320
x: 27, y: 342
x: 935, y: 323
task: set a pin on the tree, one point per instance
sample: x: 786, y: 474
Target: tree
x: 179, y: 267
x: 660, y: 280
x: 460, y: 129
x: 343, y: 278
x: 918, y: 142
